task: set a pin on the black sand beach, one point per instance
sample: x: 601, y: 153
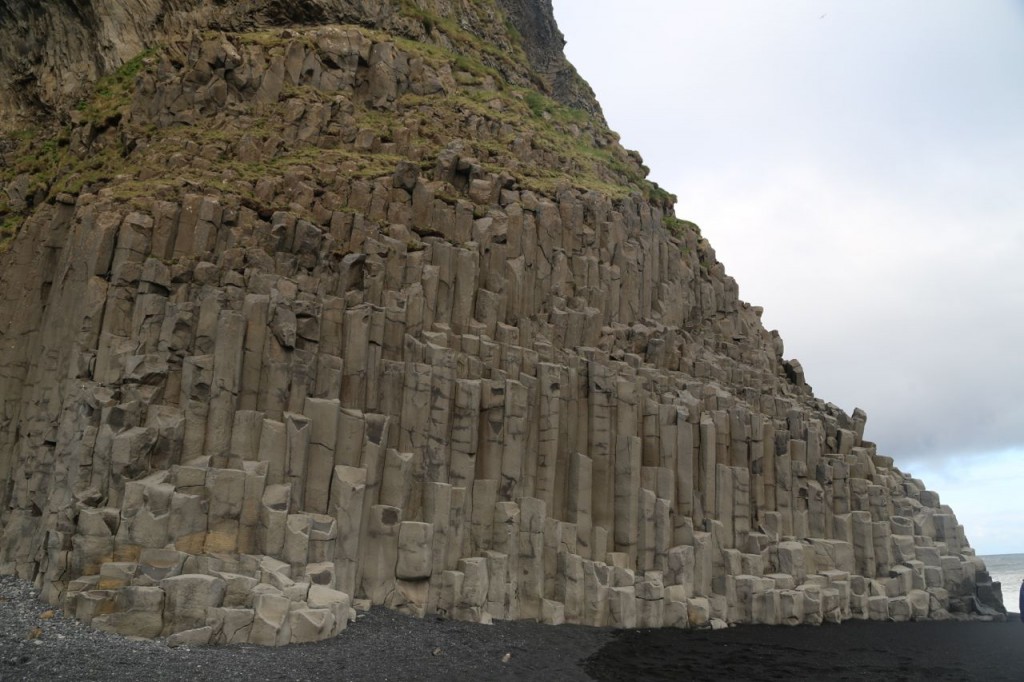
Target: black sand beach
x: 855, y: 650
x: 39, y: 644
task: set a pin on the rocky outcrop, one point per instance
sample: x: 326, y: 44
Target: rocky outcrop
x: 52, y: 52
x: 310, y: 317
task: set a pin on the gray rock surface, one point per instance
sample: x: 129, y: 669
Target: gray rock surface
x: 332, y: 315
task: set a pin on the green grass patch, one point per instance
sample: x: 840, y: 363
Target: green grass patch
x: 574, y: 148
x: 113, y: 93
x: 9, y: 225
x: 680, y: 228
x: 537, y: 103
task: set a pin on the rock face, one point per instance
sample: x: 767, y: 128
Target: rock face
x: 324, y: 301
x: 49, y: 51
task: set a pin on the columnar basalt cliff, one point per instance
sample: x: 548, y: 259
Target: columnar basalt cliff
x: 328, y: 302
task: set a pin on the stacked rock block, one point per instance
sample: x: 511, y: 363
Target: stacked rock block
x: 432, y: 389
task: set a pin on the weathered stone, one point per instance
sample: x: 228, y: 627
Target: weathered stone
x: 346, y: 380
x: 195, y: 637
x: 187, y: 599
x: 380, y: 557
x: 230, y: 625
x: 310, y: 625
x: 347, y: 492
x: 138, y: 612
x: 270, y: 625
x: 415, y: 544
x: 338, y: 603
x: 698, y: 612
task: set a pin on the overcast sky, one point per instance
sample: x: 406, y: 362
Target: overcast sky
x: 859, y: 169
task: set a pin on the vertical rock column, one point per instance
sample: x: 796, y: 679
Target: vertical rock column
x: 227, y: 375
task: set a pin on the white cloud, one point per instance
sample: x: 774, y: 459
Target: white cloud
x: 901, y: 308
x: 859, y: 175
x: 983, y: 496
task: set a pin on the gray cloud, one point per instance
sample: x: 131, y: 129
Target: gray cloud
x: 859, y: 174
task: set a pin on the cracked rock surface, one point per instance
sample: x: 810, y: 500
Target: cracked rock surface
x: 357, y: 302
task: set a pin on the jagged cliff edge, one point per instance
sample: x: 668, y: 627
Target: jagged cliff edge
x: 357, y: 300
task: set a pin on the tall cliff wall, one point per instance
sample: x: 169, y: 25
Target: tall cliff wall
x: 316, y: 302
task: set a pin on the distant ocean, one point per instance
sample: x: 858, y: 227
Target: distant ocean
x: 1007, y: 569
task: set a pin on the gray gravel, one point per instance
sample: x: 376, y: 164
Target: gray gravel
x: 38, y: 642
